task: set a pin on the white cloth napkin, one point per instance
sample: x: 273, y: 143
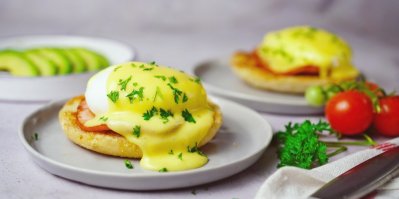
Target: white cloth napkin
x: 293, y: 182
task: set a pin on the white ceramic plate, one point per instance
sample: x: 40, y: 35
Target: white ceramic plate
x: 220, y: 80
x: 57, y: 87
x: 240, y: 142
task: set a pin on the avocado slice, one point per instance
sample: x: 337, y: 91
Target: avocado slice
x: 56, y: 56
x: 78, y: 63
x: 104, y: 61
x: 92, y: 60
x: 17, y: 64
x: 45, y: 65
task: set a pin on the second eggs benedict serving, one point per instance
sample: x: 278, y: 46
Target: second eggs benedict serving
x: 146, y: 111
x: 292, y: 59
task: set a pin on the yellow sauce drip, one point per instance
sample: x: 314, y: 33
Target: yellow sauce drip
x: 294, y: 47
x: 165, y: 142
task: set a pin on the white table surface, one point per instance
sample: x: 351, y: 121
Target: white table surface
x: 192, y: 33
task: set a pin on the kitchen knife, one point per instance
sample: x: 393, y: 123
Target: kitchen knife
x: 363, y: 178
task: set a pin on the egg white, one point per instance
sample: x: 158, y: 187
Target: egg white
x: 96, y: 91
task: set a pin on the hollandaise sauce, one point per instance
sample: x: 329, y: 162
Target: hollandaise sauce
x: 163, y: 111
x: 287, y: 49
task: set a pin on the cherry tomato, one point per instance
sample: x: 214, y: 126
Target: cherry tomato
x: 350, y: 112
x: 373, y: 87
x: 386, y: 122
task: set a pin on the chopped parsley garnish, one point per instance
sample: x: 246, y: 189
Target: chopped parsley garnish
x: 148, y: 69
x: 150, y: 113
x: 36, y: 136
x: 133, y: 65
x: 180, y: 156
x: 171, y: 152
x: 135, y: 84
x: 157, y: 94
x: 177, y: 94
x: 103, y: 118
x: 173, y: 80
x: 195, y: 149
x: 128, y: 164
x: 153, y: 63
x: 185, y: 98
x: 163, y: 170
x: 142, y: 66
x: 196, y: 80
x: 137, y: 131
x: 123, y: 83
x: 136, y: 94
x: 165, y: 114
x: 160, y: 77
x: 117, y: 68
x: 113, y: 96
x: 187, y: 116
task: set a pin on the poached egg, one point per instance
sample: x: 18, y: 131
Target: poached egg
x: 163, y: 111
x: 291, y: 48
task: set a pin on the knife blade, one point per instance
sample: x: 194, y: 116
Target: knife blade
x: 363, y: 178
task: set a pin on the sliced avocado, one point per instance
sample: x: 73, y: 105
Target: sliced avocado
x: 56, y: 56
x: 104, y: 61
x: 45, y: 65
x: 17, y: 64
x: 78, y: 63
x: 92, y: 60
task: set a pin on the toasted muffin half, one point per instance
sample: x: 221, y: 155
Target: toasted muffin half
x: 109, y: 142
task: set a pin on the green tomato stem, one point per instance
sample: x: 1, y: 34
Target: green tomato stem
x: 368, y: 142
x: 338, y: 151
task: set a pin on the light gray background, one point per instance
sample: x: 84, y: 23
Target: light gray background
x: 182, y: 33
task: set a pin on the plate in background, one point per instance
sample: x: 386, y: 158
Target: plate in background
x: 62, y: 86
x: 219, y: 80
x: 239, y: 143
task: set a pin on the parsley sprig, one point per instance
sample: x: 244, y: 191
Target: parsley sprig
x: 150, y: 113
x: 300, y: 146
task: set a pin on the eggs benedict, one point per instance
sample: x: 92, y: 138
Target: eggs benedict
x: 292, y: 59
x: 142, y: 110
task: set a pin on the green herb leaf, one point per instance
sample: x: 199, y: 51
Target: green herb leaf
x: 195, y: 149
x: 137, y: 131
x: 113, y: 96
x: 103, y: 118
x: 300, y: 145
x: 176, y: 93
x: 153, y: 63
x: 148, y: 69
x: 160, y: 77
x: 128, y: 164
x: 36, y: 136
x: 180, y: 156
x: 187, y: 116
x: 163, y: 170
x: 185, y: 98
x: 133, y: 65
x: 136, y: 94
x: 150, y: 113
x: 123, y: 83
x: 117, y: 68
x: 173, y: 80
x: 158, y: 93
x: 165, y: 114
